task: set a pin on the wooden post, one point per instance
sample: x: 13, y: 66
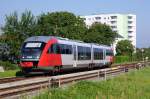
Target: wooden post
x: 59, y: 83
x: 104, y: 74
x: 50, y: 84
x: 98, y: 74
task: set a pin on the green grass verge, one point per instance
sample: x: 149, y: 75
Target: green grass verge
x: 133, y: 85
x: 9, y: 73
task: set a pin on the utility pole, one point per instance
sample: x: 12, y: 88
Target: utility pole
x: 142, y: 50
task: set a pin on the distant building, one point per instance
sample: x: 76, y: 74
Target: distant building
x: 123, y: 24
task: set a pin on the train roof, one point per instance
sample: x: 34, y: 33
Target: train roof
x: 47, y: 38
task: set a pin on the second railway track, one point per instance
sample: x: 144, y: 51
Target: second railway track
x: 10, y: 79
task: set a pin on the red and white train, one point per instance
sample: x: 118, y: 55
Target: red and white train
x: 56, y: 53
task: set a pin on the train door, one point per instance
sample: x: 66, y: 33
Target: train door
x: 67, y: 55
x: 75, y: 56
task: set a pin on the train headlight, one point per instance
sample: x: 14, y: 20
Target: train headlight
x: 23, y: 57
x: 37, y: 57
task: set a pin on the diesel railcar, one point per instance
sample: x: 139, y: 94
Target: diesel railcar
x: 55, y: 53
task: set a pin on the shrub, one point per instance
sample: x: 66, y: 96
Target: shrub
x: 8, y: 66
x: 122, y: 59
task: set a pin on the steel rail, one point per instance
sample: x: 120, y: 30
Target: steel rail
x: 10, y: 79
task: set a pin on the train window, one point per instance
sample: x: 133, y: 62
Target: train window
x: 80, y: 53
x: 109, y: 53
x: 68, y: 49
x: 88, y: 53
x: 62, y: 47
x: 84, y: 53
x: 65, y: 49
x: 98, y: 53
x: 54, y: 49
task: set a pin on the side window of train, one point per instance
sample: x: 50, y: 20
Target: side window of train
x: 109, y: 53
x: 65, y: 49
x: 84, y: 53
x: 54, y: 48
x: 80, y: 53
x: 98, y: 53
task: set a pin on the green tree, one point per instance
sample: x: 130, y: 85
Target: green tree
x: 64, y: 24
x: 100, y: 33
x: 124, y: 47
x: 17, y: 29
x: 142, y: 53
x: 4, y: 51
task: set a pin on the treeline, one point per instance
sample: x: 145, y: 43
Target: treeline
x: 64, y: 24
x: 126, y: 52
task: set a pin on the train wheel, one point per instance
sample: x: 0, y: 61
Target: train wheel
x: 56, y: 70
x: 26, y: 71
x: 90, y: 66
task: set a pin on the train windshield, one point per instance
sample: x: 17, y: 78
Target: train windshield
x: 32, y: 49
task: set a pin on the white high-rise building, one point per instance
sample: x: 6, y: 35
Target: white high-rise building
x: 123, y: 24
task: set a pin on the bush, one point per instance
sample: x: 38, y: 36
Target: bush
x: 8, y: 66
x: 122, y: 59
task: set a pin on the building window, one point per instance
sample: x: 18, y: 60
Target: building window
x: 113, y: 22
x: 113, y: 17
x: 130, y: 22
x: 97, y: 18
x: 129, y: 27
x: 113, y: 27
x: 129, y: 17
x: 129, y: 37
x: 130, y: 31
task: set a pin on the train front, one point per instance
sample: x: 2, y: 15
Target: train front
x: 30, y: 54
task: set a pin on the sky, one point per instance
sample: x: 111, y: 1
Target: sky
x: 141, y: 8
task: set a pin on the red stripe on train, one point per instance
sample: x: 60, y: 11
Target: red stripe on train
x: 26, y: 64
x: 50, y: 59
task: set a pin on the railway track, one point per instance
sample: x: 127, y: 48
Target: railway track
x: 11, y: 79
x: 13, y: 89
x: 16, y: 88
x: 20, y: 89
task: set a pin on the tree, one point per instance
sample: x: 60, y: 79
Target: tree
x: 4, y: 51
x: 142, y: 53
x: 16, y: 30
x: 62, y: 24
x: 101, y: 34
x: 124, y: 47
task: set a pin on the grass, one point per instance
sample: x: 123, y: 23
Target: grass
x: 133, y: 85
x: 9, y: 73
